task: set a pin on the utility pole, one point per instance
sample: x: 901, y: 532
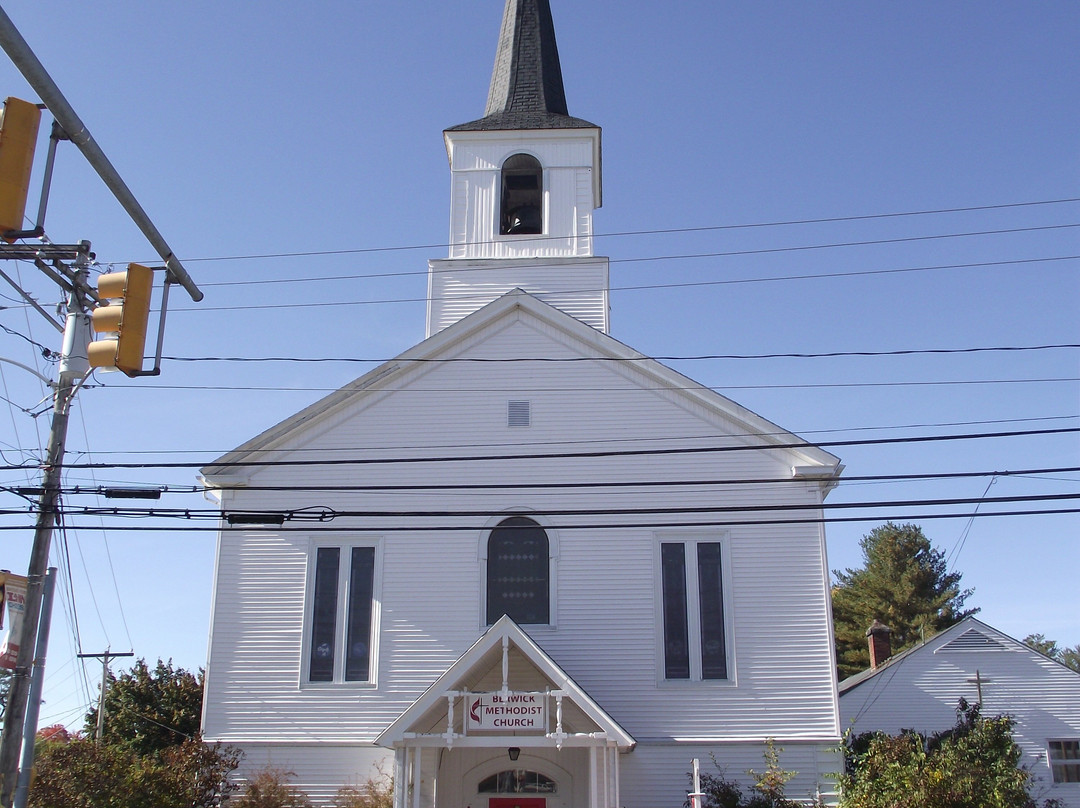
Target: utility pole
x: 122, y: 313
x: 72, y: 372
x: 22, y: 789
x: 99, y: 731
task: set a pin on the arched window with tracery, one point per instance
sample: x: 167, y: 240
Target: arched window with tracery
x: 521, y: 211
x: 518, y: 572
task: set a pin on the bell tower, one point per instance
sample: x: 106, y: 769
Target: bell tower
x: 525, y: 180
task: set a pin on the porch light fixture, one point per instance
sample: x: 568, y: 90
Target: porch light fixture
x: 514, y: 752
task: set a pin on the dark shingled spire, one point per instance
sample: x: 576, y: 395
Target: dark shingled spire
x: 526, y: 85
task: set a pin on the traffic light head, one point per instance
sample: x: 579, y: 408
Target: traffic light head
x: 122, y: 316
x: 18, y: 139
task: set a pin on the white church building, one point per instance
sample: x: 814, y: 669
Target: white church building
x: 521, y: 564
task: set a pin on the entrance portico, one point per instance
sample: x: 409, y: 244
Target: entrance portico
x: 505, y: 727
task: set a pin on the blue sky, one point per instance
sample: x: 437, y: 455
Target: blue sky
x: 314, y: 136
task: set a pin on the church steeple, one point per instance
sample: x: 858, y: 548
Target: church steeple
x: 525, y: 180
x: 526, y: 85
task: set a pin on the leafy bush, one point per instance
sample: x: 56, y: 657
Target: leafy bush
x: 80, y: 773
x: 270, y: 788
x: 767, y: 791
x: 975, y: 764
x: 377, y: 792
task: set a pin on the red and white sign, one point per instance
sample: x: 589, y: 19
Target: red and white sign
x: 14, y: 594
x: 506, y: 712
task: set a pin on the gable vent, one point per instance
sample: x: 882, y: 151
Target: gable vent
x: 973, y: 640
x: 518, y: 413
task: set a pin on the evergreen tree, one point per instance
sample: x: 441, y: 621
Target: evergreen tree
x: 149, y: 710
x: 1070, y: 657
x: 905, y: 583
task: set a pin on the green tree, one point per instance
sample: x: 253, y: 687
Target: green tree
x: 149, y: 710
x: 151, y: 754
x: 1070, y: 657
x: 905, y: 583
x: 976, y: 764
x: 82, y: 773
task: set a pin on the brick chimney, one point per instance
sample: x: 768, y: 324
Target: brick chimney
x: 880, y: 646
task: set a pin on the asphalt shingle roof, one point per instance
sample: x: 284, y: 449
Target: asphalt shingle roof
x: 526, y: 85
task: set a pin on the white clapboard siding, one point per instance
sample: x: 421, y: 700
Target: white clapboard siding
x: 577, y: 286
x: 571, y: 193
x: 605, y: 605
x: 318, y: 770
x: 651, y: 774
x: 920, y: 690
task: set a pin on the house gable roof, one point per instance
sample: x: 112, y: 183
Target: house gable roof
x: 968, y: 636
x: 471, y: 673
x: 519, y: 304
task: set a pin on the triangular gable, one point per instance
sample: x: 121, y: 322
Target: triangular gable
x: 974, y: 640
x: 806, y: 459
x: 969, y: 635
x: 472, y: 672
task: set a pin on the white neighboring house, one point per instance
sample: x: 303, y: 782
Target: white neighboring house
x: 522, y: 564
x: 920, y: 689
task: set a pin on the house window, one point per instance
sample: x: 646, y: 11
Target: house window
x: 341, y: 629
x: 522, y: 206
x: 695, y: 645
x: 1065, y: 761
x: 518, y: 572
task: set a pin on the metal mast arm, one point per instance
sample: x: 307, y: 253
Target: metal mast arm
x: 34, y: 72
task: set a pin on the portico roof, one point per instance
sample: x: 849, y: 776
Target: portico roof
x: 505, y: 658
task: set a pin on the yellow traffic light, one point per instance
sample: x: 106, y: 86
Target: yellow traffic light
x: 18, y: 139
x: 123, y: 315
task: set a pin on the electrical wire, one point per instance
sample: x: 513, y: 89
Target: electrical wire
x: 241, y: 388
x: 667, y: 439
x: 616, y: 288
x: 324, y: 514
x: 797, y: 445
x: 362, y: 528
x: 629, y: 360
x: 511, y: 486
x: 652, y: 232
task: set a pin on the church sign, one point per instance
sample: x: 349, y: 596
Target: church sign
x: 506, y: 711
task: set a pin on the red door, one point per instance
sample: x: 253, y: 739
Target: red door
x: 516, y: 802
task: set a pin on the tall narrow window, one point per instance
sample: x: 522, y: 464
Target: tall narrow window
x: 711, y: 611
x: 324, y: 614
x: 341, y: 615
x: 676, y: 629
x: 518, y: 572
x: 694, y: 627
x: 522, y: 207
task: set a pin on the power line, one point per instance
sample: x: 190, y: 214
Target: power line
x: 598, y: 358
x: 634, y: 288
x: 726, y: 282
x: 796, y: 445
x: 76, y: 490
x: 665, y: 231
x: 667, y: 439
x: 510, y: 486
x: 547, y: 389
x: 322, y: 514
x: 361, y: 528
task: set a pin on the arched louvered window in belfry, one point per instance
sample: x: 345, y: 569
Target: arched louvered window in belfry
x: 521, y: 211
x: 518, y: 572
